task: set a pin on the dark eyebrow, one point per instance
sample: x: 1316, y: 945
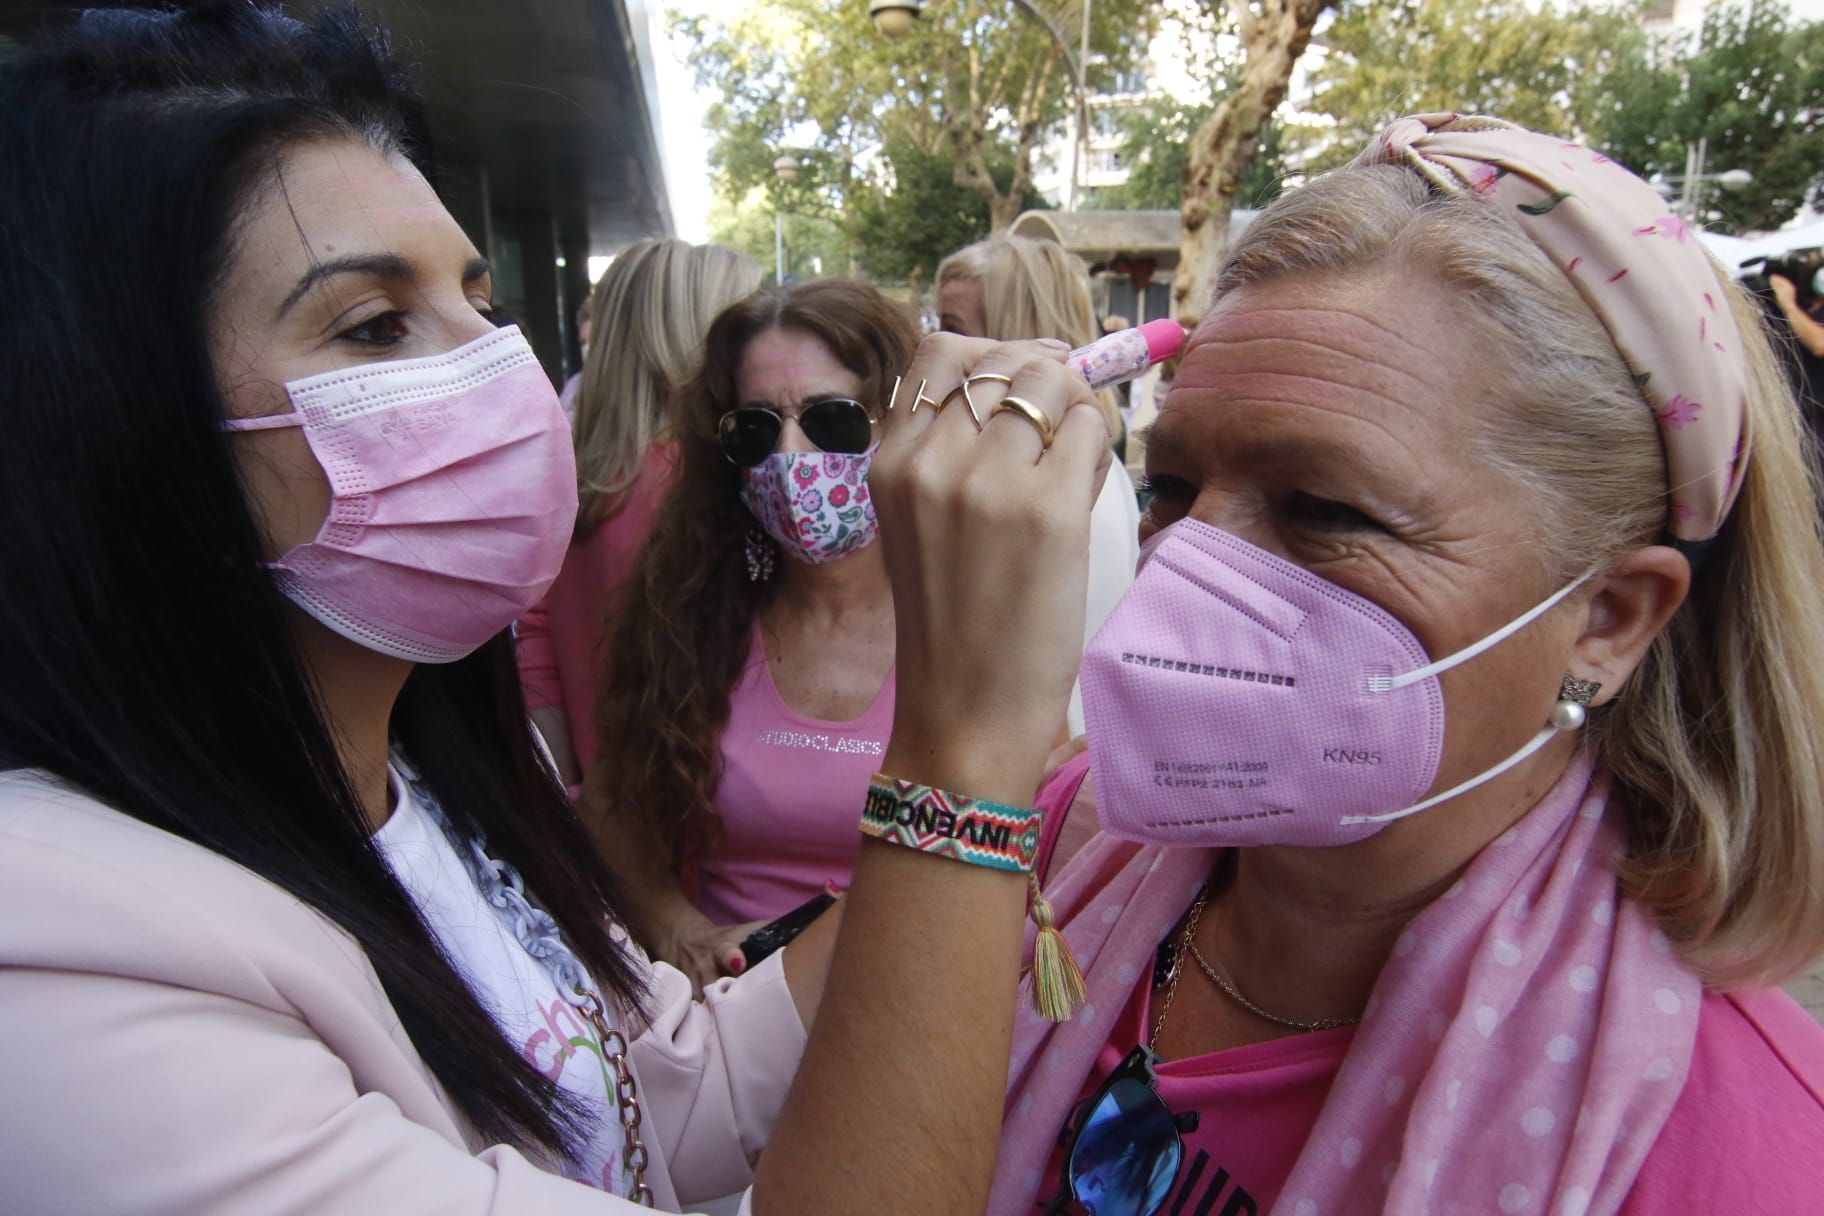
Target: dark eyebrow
x: 380, y: 265
x: 813, y: 399
x: 1153, y: 438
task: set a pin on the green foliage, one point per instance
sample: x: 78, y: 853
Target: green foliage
x: 903, y: 230
x: 963, y: 98
x: 810, y: 240
x: 1157, y: 145
x: 1548, y: 67
x: 1751, y: 85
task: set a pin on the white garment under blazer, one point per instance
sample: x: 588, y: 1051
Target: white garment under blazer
x: 180, y: 1036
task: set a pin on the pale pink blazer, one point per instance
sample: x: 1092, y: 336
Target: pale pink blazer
x: 178, y: 1035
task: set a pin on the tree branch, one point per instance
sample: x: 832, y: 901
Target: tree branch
x: 1247, y: 28
x: 976, y: 114
x: 1028, y: 139
x: 1229, y: 140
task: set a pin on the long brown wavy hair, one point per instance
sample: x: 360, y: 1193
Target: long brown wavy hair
x: 680, y: 639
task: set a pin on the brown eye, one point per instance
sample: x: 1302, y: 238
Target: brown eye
x: 387, y: 329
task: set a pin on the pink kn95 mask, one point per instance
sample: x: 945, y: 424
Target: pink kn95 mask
x: 453, y: 495
x: 1235, y: 699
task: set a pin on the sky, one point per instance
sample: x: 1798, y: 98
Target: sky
x: 681, y: 113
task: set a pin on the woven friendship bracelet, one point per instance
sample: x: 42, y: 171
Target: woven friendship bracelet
x: 951, y: 825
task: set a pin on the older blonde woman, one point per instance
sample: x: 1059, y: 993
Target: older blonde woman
x: 648, y: 317
x: 1489, y: 933
x: 1012, y: 287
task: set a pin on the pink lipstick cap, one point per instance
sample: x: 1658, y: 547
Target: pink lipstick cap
x: 1164, y: 338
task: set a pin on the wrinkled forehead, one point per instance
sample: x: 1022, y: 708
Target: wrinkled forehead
x: 1389, y: 312
x: 1375, y: 356
x: 783, y: 365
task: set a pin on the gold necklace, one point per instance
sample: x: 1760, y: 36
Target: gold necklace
x: 1187, y: 944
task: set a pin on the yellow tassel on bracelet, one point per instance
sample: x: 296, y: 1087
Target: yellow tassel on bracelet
x: 1057, y: 981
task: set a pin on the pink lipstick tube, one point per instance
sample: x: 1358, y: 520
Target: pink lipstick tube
x: 1122, y: 355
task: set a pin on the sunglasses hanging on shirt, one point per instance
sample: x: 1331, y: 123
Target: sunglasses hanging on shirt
x: 834, y: 424
x: 1122, y: 1147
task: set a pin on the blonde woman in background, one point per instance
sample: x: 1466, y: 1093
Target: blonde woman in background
x: 1012, y: 287
x: 648, y: 317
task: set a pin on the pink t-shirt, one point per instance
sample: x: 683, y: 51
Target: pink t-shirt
x: 790, y: 799
x: 561, y: 644
x: 1747, y: 1133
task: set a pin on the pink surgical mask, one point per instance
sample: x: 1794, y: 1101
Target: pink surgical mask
x: 1235, y: 699
x: 814, y: 504
x: 453, y: 495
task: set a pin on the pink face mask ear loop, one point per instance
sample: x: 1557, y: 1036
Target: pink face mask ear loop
x: 269, y: 422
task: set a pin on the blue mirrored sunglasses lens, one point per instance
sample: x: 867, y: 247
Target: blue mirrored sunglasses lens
x: 1127, y: 1155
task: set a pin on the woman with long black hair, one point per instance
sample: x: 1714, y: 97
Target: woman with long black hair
x: 294, y: 917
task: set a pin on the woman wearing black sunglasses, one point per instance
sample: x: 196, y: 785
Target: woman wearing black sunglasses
x: 751, y: 692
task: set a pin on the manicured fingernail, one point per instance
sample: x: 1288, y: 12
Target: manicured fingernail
x: 831, y: 889
x: 736, y: 965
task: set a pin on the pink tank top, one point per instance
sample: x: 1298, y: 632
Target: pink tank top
x: 790, y: 799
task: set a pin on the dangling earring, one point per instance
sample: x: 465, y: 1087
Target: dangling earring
x: 760, y: 551
x: 1573, y: 696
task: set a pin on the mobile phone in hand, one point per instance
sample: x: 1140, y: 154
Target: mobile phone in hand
x: 774, y: 935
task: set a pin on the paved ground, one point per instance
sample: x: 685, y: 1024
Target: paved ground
x: 1808, y: 990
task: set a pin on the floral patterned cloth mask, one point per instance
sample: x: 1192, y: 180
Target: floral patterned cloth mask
x: 1641, y: 270
x: 814, y: 504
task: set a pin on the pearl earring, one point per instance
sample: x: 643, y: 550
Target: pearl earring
x: 1573, y: 696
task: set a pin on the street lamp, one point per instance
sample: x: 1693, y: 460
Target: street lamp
x: 894, y: 18
x: 1689, y: 185
x: 1730, y: 180
x: 785, y: 168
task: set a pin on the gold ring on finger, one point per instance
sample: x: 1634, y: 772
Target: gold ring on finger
x: 963, y: 388
x: 918, y: 398
x: 1030, y: 413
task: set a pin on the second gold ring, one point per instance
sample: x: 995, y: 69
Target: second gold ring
x: 968, y: 382
x: 1031, y: 413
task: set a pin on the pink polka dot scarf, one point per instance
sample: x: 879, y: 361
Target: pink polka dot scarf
x: 1636, y: 264
x: 1520, y: 1053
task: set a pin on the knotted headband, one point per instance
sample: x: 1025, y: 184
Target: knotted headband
x: 1638, y: 266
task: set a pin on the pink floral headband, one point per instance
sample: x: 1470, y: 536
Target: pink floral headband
x: 1637, y: 265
